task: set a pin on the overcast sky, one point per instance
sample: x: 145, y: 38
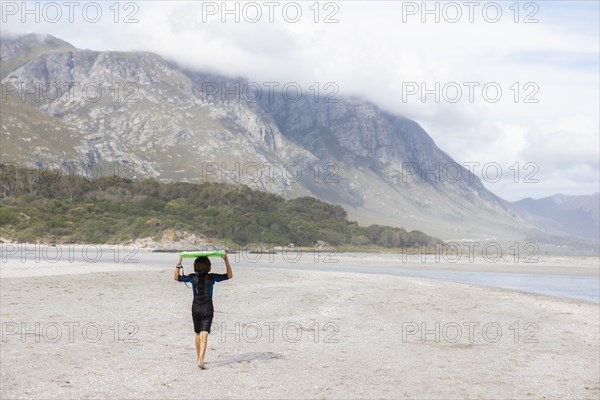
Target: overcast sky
x: 384, y: 51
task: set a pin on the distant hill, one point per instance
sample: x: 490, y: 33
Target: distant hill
x: 63, y: 208
x: 575, y: 215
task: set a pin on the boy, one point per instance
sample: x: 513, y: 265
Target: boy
x: 202, y: 306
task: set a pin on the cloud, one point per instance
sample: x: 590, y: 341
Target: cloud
x: 377, y: 49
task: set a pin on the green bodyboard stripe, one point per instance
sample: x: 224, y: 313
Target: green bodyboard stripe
x: 201, y: 253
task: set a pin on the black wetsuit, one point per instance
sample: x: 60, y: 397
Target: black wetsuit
x: 202, y: 307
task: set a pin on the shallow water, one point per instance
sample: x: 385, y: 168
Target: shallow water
x: 576, y: 286
x: 571, y: 286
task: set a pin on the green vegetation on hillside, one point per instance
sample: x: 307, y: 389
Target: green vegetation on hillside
x: 47, y: 206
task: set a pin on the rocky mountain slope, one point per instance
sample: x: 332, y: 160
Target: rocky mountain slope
x: 163, y: 120
x: 16, y: 50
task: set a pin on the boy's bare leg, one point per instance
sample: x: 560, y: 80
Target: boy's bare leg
x: 203, y: 339
x: 197, y: 341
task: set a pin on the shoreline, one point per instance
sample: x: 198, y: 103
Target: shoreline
x: 450, y: 252
x: 118, y: 254
x: 557, y: 277
x: 105, y: 269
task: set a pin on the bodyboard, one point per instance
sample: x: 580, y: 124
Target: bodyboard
x: 210, y: 253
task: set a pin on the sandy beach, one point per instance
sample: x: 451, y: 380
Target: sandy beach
x: 107, y: 330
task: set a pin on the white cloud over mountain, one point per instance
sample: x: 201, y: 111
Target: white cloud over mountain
x: 373, y: 53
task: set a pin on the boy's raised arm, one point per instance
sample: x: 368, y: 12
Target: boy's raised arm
x: 229, y: 271
x: 176, y: 274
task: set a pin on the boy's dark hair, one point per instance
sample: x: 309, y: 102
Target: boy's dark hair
x: 202, y: 265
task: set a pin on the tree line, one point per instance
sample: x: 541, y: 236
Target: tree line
x: 60, y: 208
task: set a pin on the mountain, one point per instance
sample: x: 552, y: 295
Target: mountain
x: 163, y: 120
x: 393, y: 167
x: 576, y: 215
x: 16, y: 50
